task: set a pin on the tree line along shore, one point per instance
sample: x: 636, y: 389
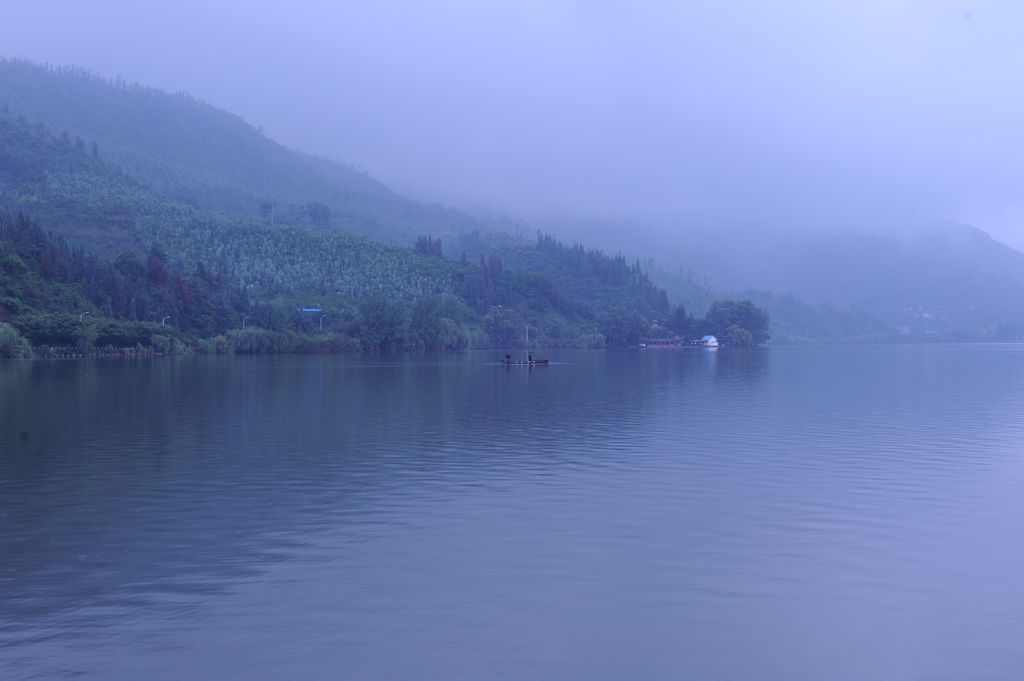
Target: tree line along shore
x: 57, y: 300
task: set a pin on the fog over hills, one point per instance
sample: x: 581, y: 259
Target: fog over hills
x: 167, y: 208
x: 873, y: 280
x: 211, y: 158
x: 850, y: 161
x: 785, y: 112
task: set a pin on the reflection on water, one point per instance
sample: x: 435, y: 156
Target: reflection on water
x: 840, y: 513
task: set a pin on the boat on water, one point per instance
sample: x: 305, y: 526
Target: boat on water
x: 530, y: 360
x: 707, y: 343
x: 526, y: 363
x: 662, y: 343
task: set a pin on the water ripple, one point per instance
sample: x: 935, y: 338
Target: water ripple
x: 841, y: 513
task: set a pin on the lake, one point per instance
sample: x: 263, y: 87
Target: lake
x: 841, y: 513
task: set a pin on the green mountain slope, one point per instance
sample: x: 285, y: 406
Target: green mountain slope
x: 45, y: 284
x: 385, y: 296
x: 53, y: 179
x: 597, y: 280
x: 207, y: 158
x: 122, y: 169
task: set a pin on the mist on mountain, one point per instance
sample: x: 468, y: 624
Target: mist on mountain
x: 855, y: 158
x: 782, y: 112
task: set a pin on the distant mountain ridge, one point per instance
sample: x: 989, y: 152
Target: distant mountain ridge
x: 55, y: 180
x: 116, y: 165
x: 211, y: 159
x: 929, y: 279
x: 379, y: 295
x: 172, y: 146
x: 875, y: 278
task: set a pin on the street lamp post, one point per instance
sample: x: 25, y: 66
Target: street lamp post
x: 81, y: 317
x: 163, y: 321
x: 322, y: 321
x: 244, y: 318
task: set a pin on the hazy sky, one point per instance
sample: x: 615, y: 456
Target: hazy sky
x: 778, y: 110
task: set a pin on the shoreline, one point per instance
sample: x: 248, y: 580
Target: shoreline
x: 131, y: 353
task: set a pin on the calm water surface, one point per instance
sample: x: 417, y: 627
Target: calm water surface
x: 848, y: 513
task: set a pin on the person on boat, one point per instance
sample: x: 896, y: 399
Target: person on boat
x: 530, y: 356
x: 508, y: 358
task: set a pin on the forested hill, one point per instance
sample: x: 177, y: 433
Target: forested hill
x: 377, y: 296
x: 207, y: 158
x: 57, y: 180
x: 577, y: 272
x: 49, y: 289
x: 124, y: 174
